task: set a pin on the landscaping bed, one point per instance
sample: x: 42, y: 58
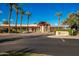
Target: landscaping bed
x: 22, y: 54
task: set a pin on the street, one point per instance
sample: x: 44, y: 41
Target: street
x: 41, y: 43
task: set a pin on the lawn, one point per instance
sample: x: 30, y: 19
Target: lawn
x: 22, y: 54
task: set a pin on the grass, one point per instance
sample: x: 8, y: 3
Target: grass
x: 22, y: 54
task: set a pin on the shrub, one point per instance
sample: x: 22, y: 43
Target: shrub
x: 18, y: 30
x: 72, y: 32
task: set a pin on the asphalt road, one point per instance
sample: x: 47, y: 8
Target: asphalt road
x: 40, y: 43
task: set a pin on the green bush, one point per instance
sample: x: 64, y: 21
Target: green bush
x: 18, y: 30
x: 72, y: 32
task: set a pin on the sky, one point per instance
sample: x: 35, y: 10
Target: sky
x: 40, y: 12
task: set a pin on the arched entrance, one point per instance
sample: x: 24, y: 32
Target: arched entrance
x: 44, y: 27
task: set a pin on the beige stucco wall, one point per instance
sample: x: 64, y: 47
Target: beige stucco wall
x: 62, y: 33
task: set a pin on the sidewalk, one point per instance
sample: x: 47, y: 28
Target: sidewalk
x: 63, y: 37
x: 20, y: 35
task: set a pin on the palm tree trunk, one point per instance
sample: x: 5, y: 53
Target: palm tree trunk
x: 16, y: 20
x: 28, y: 24
x: 58, y: 22
x: 21, y: 24
x: 9, y: 18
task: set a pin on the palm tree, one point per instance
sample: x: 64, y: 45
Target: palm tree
x: 21, y: 17
x: 58, y: 14
x: 78, y: 19
x: 0, y: 16
x: 17, y: 11
x: 28, y: 16
x: 9, y: 17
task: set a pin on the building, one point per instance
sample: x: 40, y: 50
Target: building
x: 40, y: 27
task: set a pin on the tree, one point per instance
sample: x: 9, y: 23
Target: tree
x: 72, y: 20
x: 58, y: 14
x: 9, y: 17
x: 64, y: 21
x: 21, y: 17
x: 17, y: 12
x: 5, y: 22
x: 28, y: 16
x: 78, y: 20
x: 0, y: 16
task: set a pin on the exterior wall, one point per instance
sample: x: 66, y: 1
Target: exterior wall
x: 41, y: 29
x: 32, y: 28
x: 44, y: 29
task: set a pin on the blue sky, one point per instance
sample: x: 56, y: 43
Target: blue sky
x: 40, y: 12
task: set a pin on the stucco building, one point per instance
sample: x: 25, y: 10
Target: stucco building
x: 40, y: 27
